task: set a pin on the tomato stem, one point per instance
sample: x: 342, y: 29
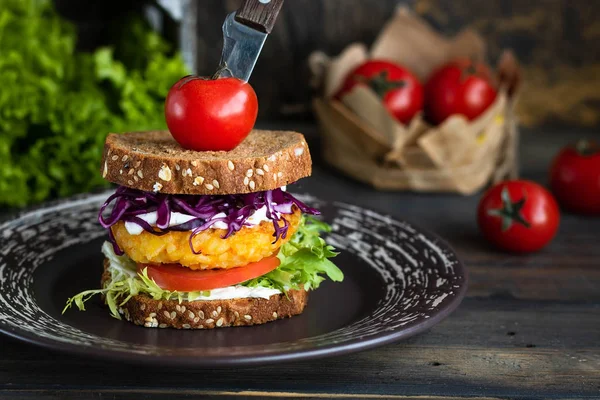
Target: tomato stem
x: 381, y: 84
x: 183, y: 81
x: 510, y: 212
x: 222, y: 68
x: 587, y: 148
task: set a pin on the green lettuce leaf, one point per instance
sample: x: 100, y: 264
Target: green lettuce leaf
x: 303, y: 262
x: 57, y: 104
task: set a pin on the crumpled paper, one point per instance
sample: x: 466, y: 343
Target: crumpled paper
x: 362, y: 139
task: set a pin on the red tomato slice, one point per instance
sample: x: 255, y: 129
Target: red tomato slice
x: 176, y: 277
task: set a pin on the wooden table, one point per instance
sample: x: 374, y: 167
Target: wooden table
x: 528, y: 328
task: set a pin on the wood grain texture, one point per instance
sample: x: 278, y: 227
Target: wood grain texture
x: 261, y: 16
x: 489, y: 347
x: 528, y: 329
x: 116, y: 394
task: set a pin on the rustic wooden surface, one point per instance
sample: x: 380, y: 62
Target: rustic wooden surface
x: 529, y: 327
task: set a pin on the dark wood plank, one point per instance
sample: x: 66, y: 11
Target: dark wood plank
x: 489, y: 347
x: 117, y: 394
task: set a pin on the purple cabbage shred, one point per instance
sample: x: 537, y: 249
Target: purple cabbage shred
x: 237, y: 208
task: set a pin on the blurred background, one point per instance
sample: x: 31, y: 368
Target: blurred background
x: 555, y: 40
x: 73, y: 70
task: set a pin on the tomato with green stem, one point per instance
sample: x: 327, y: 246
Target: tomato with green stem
x: 397, y: 87
x: 518, y: 216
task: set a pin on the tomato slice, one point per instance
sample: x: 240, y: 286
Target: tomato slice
x: 176, y: 277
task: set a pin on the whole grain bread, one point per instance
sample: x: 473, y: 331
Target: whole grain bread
x: 154, y: 161
x: 208, y: 314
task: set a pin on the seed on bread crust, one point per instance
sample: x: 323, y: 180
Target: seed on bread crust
x: 165, y: 173
x: 156, y: 154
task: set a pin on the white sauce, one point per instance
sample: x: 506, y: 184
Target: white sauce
x: 176, y: 219
x: 240, y: 292
x: 259, y: 216
x: 125, y: 265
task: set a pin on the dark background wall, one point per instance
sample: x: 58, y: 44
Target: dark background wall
x: 555, y: 40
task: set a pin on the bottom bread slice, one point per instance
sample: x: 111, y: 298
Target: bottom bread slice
x: 207, y: 314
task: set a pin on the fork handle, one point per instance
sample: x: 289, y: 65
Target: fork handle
x: 259, y: 14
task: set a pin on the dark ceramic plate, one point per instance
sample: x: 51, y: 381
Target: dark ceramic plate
x: 399, y: 281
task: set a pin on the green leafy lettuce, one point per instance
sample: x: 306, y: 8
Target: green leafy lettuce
x: 58, y: 104
x: 303, y: 262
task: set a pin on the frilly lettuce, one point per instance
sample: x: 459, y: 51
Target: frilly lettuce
x: 303, y: 262
x: 58, y: 104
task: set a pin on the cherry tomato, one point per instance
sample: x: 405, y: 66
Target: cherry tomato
x: 400, y: 90
x: 210, y: 114
x: 575, y: 177
x: 518, y: 216
x: 459, y: 87
x: 176, y: 277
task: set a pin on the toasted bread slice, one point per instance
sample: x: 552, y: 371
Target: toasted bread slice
x: 154, y: 161
x: 208, y: 314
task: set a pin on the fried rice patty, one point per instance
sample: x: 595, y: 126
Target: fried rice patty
x: 249, y: 244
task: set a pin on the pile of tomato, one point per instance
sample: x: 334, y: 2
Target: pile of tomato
x: 515, y: 215
x: 461, y: 86
x: 523, y: 216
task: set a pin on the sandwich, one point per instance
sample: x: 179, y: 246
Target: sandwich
x: 208, y: 239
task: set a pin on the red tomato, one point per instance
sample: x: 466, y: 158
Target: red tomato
x: 518, y: 216
x: 459, y: 87
x: 575, y: 177
x: 210, y: 114
x: 176, y: 277
x: 400, y: 90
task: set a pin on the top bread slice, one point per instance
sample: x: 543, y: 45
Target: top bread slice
x: 154, y: 161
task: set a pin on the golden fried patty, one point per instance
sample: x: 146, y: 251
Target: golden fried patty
x: 250, y: 244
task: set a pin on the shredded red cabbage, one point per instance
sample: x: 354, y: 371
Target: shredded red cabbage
x: 130, y: 203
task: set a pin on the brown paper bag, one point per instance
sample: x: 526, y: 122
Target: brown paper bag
x: 363, y: 140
